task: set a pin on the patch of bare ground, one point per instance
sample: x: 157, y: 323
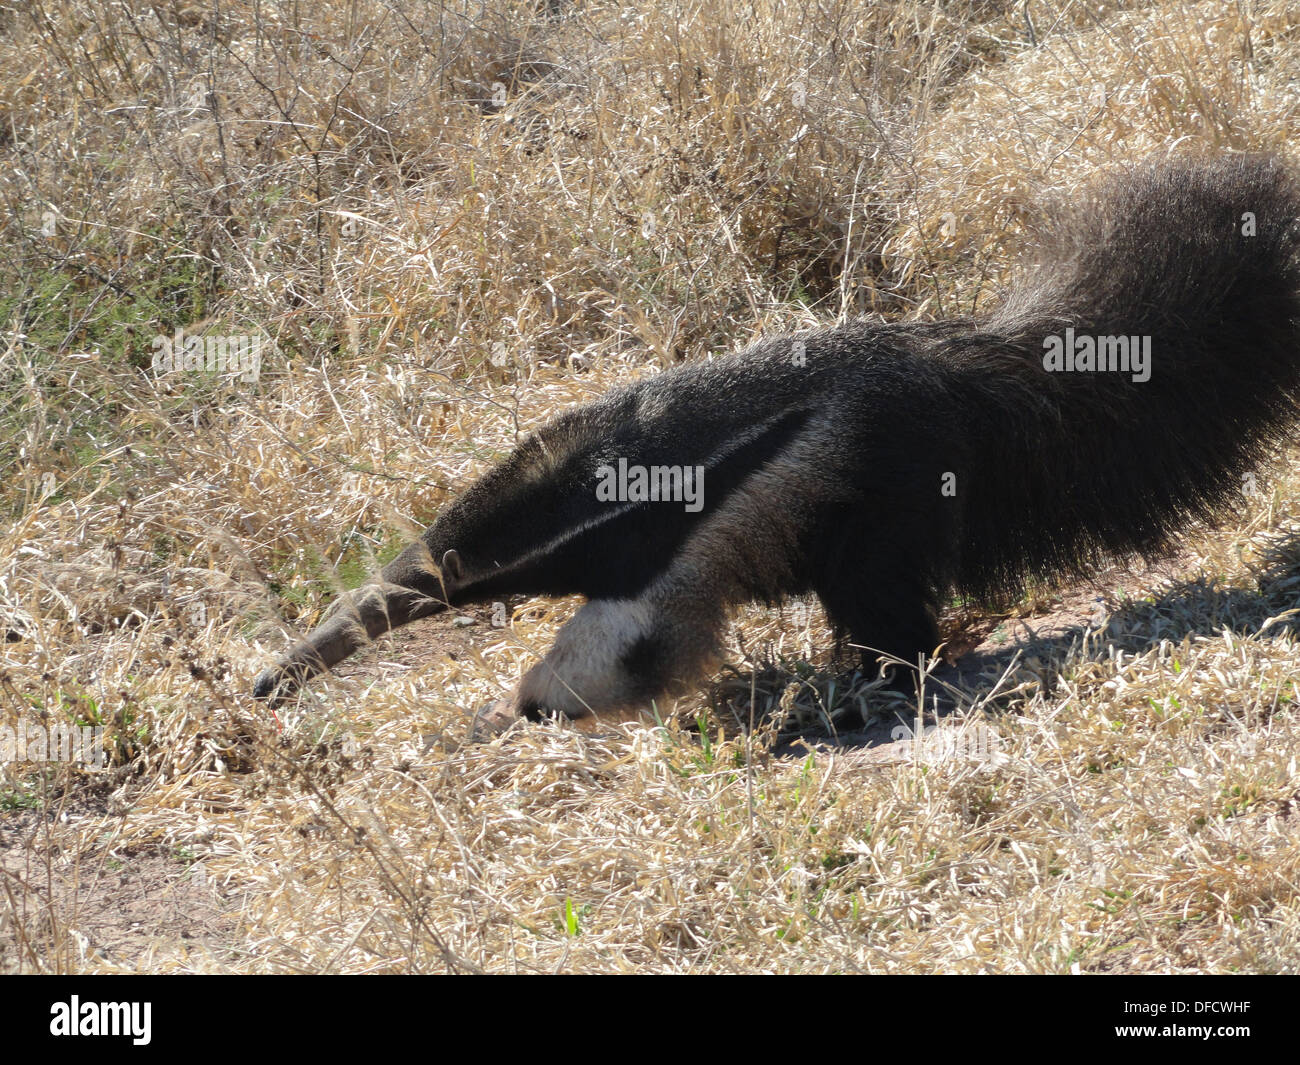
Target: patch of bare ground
x: 72, y: 898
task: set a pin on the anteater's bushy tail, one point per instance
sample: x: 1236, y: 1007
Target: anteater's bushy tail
x: 1196, y: 263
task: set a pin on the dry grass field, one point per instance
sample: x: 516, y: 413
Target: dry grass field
x: 438, y: 224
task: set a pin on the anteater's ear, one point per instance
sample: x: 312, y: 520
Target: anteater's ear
x: 451, y: 566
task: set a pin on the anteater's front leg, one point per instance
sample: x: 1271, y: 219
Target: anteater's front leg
x: 620, y: 654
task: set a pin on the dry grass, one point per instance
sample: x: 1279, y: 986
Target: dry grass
x: 451, y: 224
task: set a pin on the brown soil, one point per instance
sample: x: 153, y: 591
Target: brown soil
x: 71, y: 898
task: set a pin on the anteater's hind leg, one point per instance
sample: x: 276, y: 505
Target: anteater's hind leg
x: 882, y: 594
x: 883, y: 630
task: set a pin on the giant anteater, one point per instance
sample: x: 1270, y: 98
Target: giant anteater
x: 1148, y: 360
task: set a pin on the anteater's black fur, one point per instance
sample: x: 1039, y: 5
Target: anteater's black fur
x: 824, y: 473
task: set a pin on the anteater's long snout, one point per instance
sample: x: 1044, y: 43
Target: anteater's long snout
x: 352, y: 621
